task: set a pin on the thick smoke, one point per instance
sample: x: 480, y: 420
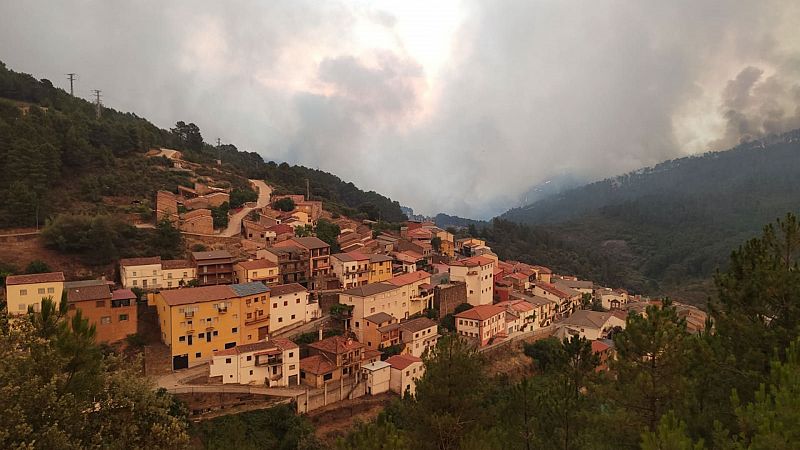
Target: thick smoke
x: 526, y: 89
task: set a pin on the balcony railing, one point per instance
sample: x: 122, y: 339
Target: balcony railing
x: 188, y: 314
x: 258, y: 319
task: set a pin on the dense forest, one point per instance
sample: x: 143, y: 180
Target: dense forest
x: 658, y: 230
x: 57, y: 156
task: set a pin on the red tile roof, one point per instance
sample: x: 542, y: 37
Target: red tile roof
x: 50, y: 277
x: 140, y: 261
x: 317, y: 364
x: 551, y: 289
x: 257, y: 264
x: 187, y: 296
x: 400, y: 362
x: 284, y: 289
x: 168, y: 264
x: 122, y: 294
x: 599, y: 347
x: 281, y: 229
x: 481, y: 312
x: 408, y: 278
x: 336, y: 344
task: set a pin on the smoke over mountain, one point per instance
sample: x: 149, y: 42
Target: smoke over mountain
x: 453, y: 106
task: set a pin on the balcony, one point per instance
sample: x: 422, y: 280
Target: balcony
x: 222, y: 310
x: 255, y: 320
x: 188, y: 314
x: 270, y: 360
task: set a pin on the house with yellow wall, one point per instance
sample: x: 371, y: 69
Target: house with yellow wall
x: 254, y: 316
x: 23, y: 291
x: 380, y: 268
x: 262, y: 270
x: 196, y: 322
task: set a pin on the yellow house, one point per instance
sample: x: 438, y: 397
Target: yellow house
x: 380, y: 268
x: 196, y: 322
x: 29, y: 290
x: 262, y: 270
x: 176, y: 273
x: 254, y: 311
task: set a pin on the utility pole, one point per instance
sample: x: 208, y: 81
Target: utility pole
x: 308, y: 191
x: 219, y: 151
x: 97, y: 101
x: 71, y: 78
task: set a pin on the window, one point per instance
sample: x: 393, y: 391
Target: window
x: 169, y: 284
x: 280, y: 319
x: 134, y: 274
x: 135, y: 282
x: 249, y: 357
x: 251, y: 372
x: 23, y: 307
x: 182, y: 339
x: 292, y: 316
x: 155, y: 272
x: 41, y: 290
x: 216, y: 333
x: 100, y: 303
x: 105, y: 320
x: 23, y: 292
x: 274, y: 305
x: 201, y: 335
x: 327, y: 376
x: 234, y: 330
x: 198, y: 355
x: 185, y: 274
x: 285, y: 303
x: 298, y: 301
x: 291, y: 354
x: 51, y: 290
x: 291, y: 366
x: 227, y: 360
x: 169, y: 275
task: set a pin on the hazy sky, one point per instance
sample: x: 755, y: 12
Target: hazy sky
x: 451, y: 106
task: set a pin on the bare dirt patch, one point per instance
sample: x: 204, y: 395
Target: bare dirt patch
x: 336, y: 419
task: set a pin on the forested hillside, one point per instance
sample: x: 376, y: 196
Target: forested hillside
x: 56, y: 156
x: 663, y: 229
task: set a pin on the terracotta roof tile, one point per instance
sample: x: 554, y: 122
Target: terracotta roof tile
x: 50, y: 277
x: 257, y: 264
x: 140, y: 261
x: 408, y: 278
x: 481, y: 312
x: 187, y: 296
x: 336, y: 344
x: 284, y: 289
x: 400, y: 362
x: 317, y: 364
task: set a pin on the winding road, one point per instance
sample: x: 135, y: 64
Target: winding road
x: 235, y: 221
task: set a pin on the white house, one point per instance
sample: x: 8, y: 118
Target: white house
x: 377, y: 376
x: 406, y: 370
x: 274, y: 363
x: 591, y: 325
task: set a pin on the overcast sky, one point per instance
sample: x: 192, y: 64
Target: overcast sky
x: 446, y: 106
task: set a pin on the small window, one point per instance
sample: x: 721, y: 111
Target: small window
x: 249, y: 357
x: 227, y: 360
x: 182, y: 339
x: 298, y: 301
x: 123, y: 317
x: 292, y: 316
x: 280, y: 319
x: 23, y: 292
x: 291, y: 354
x: 201, y: 335
x: 251, y: 372
x: 105, y: 320
x: 51, y: 290
x: 291, y: 366
x: 234, y: 330
x: 285, y: 303
x: 41, y: 290
x: 198, y: 355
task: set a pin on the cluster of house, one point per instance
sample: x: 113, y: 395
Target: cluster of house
x: 228, y: 312
x: 189, y: 208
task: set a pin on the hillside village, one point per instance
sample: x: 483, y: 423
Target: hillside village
x: 262, y: 301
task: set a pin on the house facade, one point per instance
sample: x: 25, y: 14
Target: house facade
x: 478, y: 274
x: 214, y: 267
x: 272, y: 363
x: 351, y: 269
x: 482, y: 323
x: 260, y: 270
x: 288, y: 304
x: 405, y: 371
x: 114, y: 314
x: 23, y: 291
x: 196, y: 322
x: 331, y: 359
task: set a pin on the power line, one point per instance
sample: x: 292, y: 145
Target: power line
x: 71, y: 78
x: 97, y: 101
